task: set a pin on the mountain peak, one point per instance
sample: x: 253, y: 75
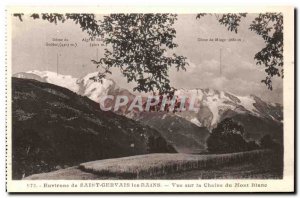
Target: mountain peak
x: 84, y: 86
x: 214, y: 104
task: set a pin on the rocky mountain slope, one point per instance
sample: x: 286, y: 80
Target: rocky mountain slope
x: 53, y: 127
x: 185, y: 136
x: 83, y: 86
x: 257, y: 116
x: 213, y: 103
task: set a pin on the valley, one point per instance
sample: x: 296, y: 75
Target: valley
x: 58, y: 116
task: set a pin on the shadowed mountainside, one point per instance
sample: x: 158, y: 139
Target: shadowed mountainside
x: 185, y: 136
x: 53, y: 128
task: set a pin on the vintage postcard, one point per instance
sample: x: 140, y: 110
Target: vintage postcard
x: 104, y: 99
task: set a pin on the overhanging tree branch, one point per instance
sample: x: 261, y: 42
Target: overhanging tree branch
x: 135, y: 43
x: 270, y: 27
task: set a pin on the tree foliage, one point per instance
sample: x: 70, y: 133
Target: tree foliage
x: 270, y: 27
x: 229, y: 20
x: 268, y: 143
x: 137, y: 44
x: 158, y: 145
x: 228, y: 137
x: 228, y: 126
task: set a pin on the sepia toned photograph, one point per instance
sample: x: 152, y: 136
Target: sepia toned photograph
x: 146, y: 99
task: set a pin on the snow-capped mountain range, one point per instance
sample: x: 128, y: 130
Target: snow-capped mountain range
x: 214, y: 104
x: 84, y: 86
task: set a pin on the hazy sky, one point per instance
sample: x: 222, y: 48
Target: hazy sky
x: 240, y: 75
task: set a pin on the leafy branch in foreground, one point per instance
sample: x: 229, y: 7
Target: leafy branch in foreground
x: 137, y: 44
x: 229, y: 20
x: 270, y: 27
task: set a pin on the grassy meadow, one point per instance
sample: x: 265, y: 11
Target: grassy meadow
x: 152, y: 165
x: 258, y: 164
